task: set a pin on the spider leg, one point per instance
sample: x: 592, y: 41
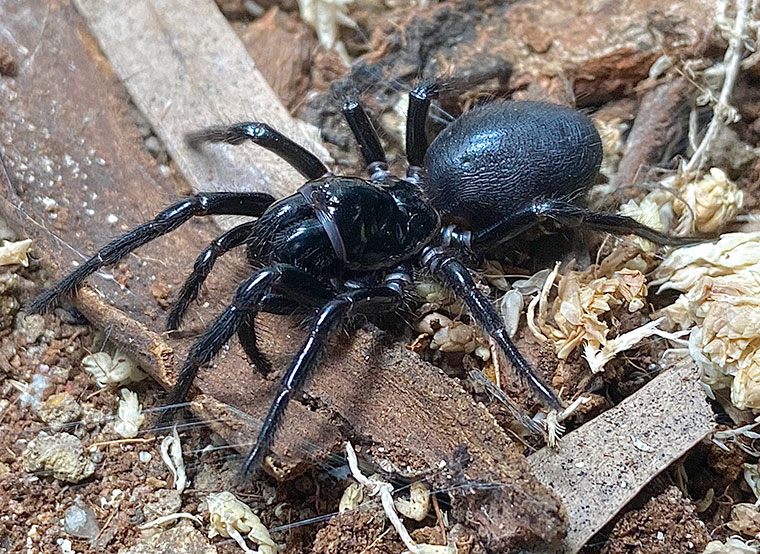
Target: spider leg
x: 306, y: 163
x: 203, y: 266
x: 249, y: 296
x: 273, y: 303
x: 366, y: 136
x: 569, y: 214
x: 456, y: 277
x: 416, y: 138
x: 206, y: 203
x: 381, y: 298
x: 247, y: 337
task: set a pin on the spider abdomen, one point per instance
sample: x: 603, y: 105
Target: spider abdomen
x: 499, y: 157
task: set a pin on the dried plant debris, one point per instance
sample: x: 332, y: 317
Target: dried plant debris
x: 667, y: 523
x: 733, y: 545
x: 231, y: 518
x: 612, y: 131
x: 129, y: 415
x: 577, y: 317
x: 171, y: 454
x: 61, y: 454
x: 325, y: 16
x: 113, y: 368
x: 686, y: 203
x: 740, y: 34
x: 745, y: 519
x: 15, y: 252
x: 719, y: 304
x: 415, y: 508
x: 572, y: 309
x: 598, y: 468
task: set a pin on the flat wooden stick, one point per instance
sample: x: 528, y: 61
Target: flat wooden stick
x: 598, y: 468
x: 186, y: 69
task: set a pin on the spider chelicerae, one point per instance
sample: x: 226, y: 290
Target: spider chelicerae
x: 343, y: 245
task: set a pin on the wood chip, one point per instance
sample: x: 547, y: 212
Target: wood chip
x: 601, y: 466
x: 186, y: 69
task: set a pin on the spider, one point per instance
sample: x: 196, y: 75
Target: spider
x: 343, y: 246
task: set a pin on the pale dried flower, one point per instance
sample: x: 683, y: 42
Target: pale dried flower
x: 613, y: 143
x: 720, y: 304
x: 687, y: 202
x: 351, y: 498
x: 745, y: 519
x: 418, y: 504
x: 597, y: 358
x: 12, y: 253
x: 129, y: 415
x: 711, y: 202
x: 646, y: 212
x: 116, y: 368
x: 733, y: 545
x: 582, y: 298
x: 230, y: 518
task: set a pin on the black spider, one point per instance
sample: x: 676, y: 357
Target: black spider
x: 343, y: 246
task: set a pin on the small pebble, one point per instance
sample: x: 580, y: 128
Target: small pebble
x: 181, y: 538
x: 32, y: 396
x: 166, y: 502
x: 62, y: 454
x: 31, y: 326
x: 65, y: 546
x: 153, y: 145
x: 58, y: 410
x: 80, y: 521
x: 144, y: 457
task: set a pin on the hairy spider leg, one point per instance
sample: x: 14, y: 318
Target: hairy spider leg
x: 456, y: 277
x: 205, y: 203
x: 247, y: 336
x: 300, y: 286
x: 416, y: 137
x: 366, y: 136
x: 273, y: 303
x: 375, y: 299
x: 203, y: 265
x: 306, y: 163
x: 569, y: 214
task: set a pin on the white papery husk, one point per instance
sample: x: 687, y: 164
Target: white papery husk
x: 576, y: 313
x: 720, y: 303
x: 687, y: 202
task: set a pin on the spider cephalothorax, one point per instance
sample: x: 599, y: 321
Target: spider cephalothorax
x: 343, y: 246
